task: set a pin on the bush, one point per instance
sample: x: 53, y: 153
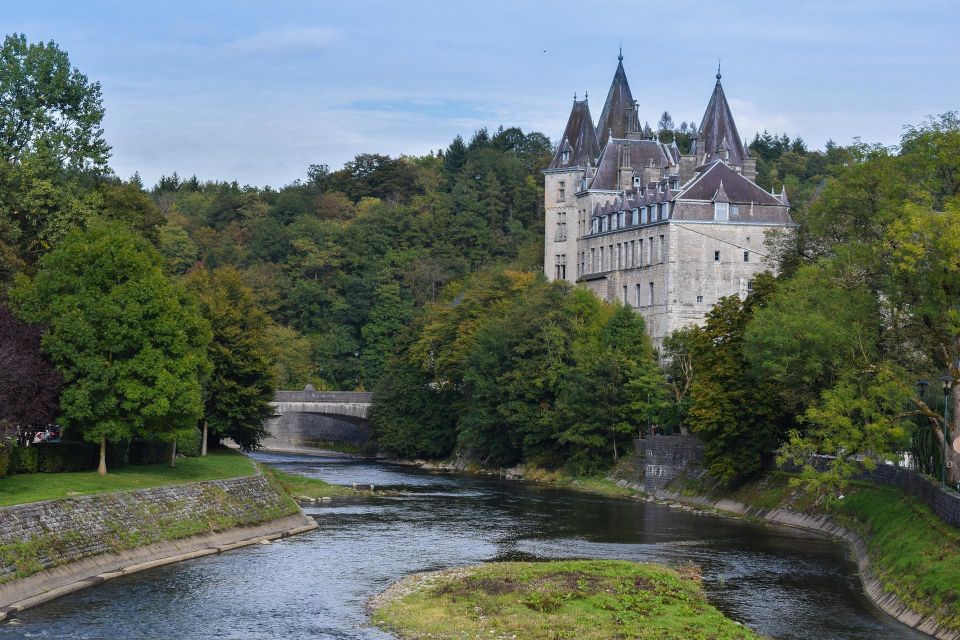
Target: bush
x: 148, y: 452
x: 188, y: 443
x: 23, y: 460
x: 5, y: 460
x: 66, y: 456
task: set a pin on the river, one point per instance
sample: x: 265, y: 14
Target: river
x: 782, y: 582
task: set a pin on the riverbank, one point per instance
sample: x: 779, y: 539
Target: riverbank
x: 219, y: 464
x: 584, y: 599
x: 54, y: 547
x: 618, y: 483
x: 908, y: 559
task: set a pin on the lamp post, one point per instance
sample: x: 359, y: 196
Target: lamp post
x: 947, y: 382
x: 921, y: 389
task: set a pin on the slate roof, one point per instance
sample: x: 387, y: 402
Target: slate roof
x: 641, y: 153
x: 719, y: 131
x: 579, y: 138
x: 619, y: 102
x: 736, y: 188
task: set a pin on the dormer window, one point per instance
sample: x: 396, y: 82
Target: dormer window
x: 636, y: 216
x: 721, y: 211
x: 643, y: 215
x: 565, y: 158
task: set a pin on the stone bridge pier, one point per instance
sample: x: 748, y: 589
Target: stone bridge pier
x: 311, y: 418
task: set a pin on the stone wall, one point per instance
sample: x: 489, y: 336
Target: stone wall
x: 666, y: 457
x: 38, y: 536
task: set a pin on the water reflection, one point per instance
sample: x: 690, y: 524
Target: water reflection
x: 784, y: 583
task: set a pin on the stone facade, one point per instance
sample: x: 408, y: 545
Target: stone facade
x: 639, y: 222
x: 42, y: 535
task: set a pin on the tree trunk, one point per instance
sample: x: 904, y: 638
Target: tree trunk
x: 173, y: 453
x: 203, y: 441
x: 102, y: 469
x: 953, y: 473
x: 614, y: 446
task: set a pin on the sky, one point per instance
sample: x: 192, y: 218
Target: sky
x: 258, y: 91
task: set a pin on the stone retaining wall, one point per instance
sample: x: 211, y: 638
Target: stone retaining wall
x: 666, y: 457
x: 872, y: 586
x: 39, y: 536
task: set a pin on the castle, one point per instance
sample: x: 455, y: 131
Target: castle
x: 665, y: 232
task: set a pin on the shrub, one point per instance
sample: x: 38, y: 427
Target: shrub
x: 66, y: 456
x: 5, y: 469
x: 23, y: 460
x: 188, y: 443
x: 148, y: 451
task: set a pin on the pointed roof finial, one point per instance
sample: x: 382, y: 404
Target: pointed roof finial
x: 574, y: 96
x: 718, y: 69
x: 620, y: 57
x: 586, y: 94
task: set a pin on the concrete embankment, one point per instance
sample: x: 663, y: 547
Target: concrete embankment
x: 872, y: 586
x: 49, y: 549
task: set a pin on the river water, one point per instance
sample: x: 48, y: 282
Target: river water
x: 782, y: 582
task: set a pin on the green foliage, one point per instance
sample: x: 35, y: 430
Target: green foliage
x: 6, y: 464
x: 859, y: 421
x: 129, y: 343
x: 240, y: 385
x: 23, y: 460
x: 514, y: 369
x: 737, y: 415
x: 65, y: 456
x: 49, y: 106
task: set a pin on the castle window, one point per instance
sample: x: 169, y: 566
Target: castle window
x: 716, y: 256
x: 636, y: 216
x: 566, y: 156
x: 639, y: 258
x: 699, y: 299
x: 721, y: 210
x: 563, y: 266
x: 623, y: 219
x: 650, y: 296
x: 603, y: 262
x: 746, y: 256
x: 593, y: 260
x: 643, y: 215
x: 626, y: 303
x: 650, y: 251
x: 663, y: 249
x: 638, y: 295
x: 734, y: 211
x: 666, y: 211
x: 562, y: 191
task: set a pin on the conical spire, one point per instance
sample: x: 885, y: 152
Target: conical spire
x: 783, y: 196
x: 578, y: 147
x: 614, y: 116
x: 718, y: 131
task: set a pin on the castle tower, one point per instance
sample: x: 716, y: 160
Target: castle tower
x: 616, y: 115
x: 718, y: 139
x: 575, y: 157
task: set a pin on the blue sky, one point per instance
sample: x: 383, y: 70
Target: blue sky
x: 257, y: 91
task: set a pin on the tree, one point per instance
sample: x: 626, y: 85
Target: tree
x: 29, y: 385
x: 240, y: 388
x: 737, y: 416
x: 48, y: 105
x: 860, y: 421
x: 130, y: 344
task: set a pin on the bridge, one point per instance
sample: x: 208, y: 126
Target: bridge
x: 312, y: 418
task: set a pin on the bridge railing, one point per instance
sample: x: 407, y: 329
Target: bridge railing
x: 323, y: 396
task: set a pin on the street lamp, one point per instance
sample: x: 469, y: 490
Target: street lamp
x: 947, y: 382
x: 921, y: 389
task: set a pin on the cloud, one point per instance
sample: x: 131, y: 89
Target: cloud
x: 289, y: 40
x: 751, y: 119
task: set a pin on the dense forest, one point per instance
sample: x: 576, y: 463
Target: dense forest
x: 149, y: 311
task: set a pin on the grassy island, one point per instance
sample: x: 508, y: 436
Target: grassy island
x: 582, y: 599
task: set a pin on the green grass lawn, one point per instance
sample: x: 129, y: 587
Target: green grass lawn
x: 35, y: 487
x: 583, y: 599
x: 297, y: 486
x: 914, y: 553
